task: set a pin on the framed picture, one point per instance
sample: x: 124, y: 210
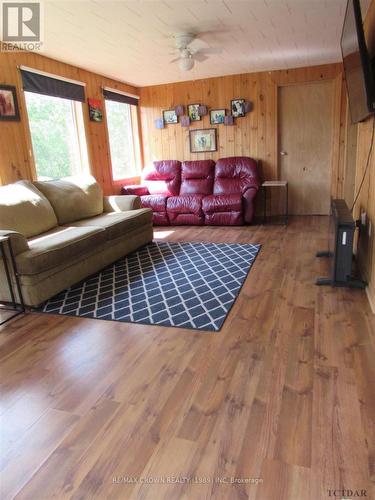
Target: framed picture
x: 202, y: 140
x: 95, y: 110
x: 169, y: 116
x: 217, y: 116
x: 237, y: 107
x: 8, y: 103
x: 193, y: 112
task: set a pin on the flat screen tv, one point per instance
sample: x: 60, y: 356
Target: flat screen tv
x: 358, y: 66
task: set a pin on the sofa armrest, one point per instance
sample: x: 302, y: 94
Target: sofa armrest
x: 121, y: 203
x: 248, y: 201
x: 18, y: 241
x: 136, y: 189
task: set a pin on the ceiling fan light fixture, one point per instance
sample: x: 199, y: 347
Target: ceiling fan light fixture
x: 186, y: 63
x: 182, y: 40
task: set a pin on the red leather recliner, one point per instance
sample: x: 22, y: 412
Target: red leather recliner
x: 160, y: 180
x: 196, y: 182
x: 199, y: 192
x: 235, y: 186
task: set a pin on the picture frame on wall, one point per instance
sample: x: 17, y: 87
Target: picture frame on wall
x: 203, y: 140
x: 9, y: 110
x: 95, y: 110
x: 170, y: 116
x: 193, y: 112
x: 217, y: 116
x: 237, y: 107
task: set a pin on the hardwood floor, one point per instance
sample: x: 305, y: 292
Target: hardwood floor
x: 283, y: 393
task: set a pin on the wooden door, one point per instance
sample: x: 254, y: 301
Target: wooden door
x: 305, y: 117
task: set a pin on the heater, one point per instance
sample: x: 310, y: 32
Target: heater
x: 340, y: 251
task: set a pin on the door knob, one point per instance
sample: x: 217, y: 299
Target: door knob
x: 283, y: 153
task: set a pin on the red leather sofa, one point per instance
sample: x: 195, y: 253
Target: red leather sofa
x: 199, y: 192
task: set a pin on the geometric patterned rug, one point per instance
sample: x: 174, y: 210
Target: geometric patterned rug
x: 187, y: 285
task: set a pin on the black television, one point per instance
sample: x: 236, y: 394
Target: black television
x: 358, y: 67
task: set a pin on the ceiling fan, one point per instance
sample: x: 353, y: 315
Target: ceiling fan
x: 190, y: 53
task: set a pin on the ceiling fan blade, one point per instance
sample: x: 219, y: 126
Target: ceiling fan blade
x: 214, y: 32
x: 197, y: 44
x: 174, y: 60
x: 202, y: 34
x: 211, y: 50
x: 200, y: 57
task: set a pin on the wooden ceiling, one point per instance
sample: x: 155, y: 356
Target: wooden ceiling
x: 132, y: 40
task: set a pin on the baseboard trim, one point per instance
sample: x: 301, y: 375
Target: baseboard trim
x: 371, y: 297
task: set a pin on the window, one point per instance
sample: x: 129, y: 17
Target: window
x: 58, y: 136
x: 124, y: 147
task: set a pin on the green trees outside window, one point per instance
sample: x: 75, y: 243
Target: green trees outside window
x: 55, y: 126
x: 121, y: 140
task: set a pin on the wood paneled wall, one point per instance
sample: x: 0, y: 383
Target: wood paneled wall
x: 366, y: 199
x: 16, y: 161
x: 253, y: 135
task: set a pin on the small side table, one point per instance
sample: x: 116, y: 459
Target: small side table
x: 11, y: 269
x: 268, y: 185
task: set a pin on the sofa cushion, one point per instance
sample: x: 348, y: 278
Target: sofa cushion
x: 235, y: 175
x: 73, y: 198
x: 197, y: 177
x: 62, y: 244
x: 162, y: 177
x: 222, y: 203
x: 23, y: 208
x: 157, y: 202
x: 117, y: 224
x: 185, y: 204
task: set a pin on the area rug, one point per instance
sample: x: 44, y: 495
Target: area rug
x: 187, y: 285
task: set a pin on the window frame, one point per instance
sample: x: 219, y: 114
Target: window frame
x: 135, y: 141
x: 80, y: 123
x: 78, y: 118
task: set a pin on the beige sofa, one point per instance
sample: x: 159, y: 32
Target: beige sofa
x: 63, y: 231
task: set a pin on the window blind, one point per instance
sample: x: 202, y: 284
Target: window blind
x: 43, y: 83
x: 112, y: 95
